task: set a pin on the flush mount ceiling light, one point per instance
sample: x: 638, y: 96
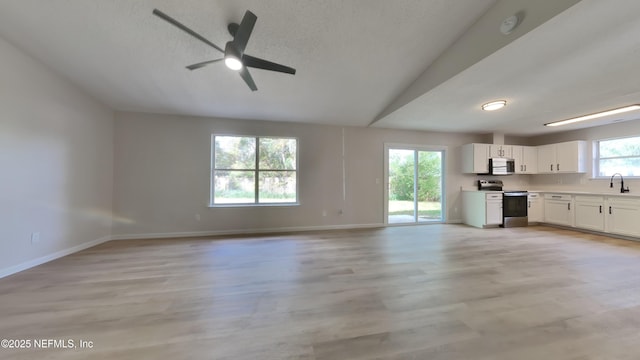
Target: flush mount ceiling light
x: 594, y: 116
x: 494, y: 105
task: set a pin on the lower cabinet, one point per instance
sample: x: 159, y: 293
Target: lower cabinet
x: 535, y: 210
x: 618, y: 215
x: 610, y: 214
x: 482, y: 208
x: 558, y: 209
x: 494, y: 209
x: 623, y: 216
x: 589, y: 212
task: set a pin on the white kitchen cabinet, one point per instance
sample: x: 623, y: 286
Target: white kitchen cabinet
x: 558, y: 209
x: 500, y: 151
x: 589, y: 212
x: 475, y: 158
x: 535, y: 210
x: 526, y: 159
x: 571, y: 156
x: 494, y: 209
x: 567, y: 157
x: 546, y: 158
x: 482, y: 208
x: 623, y: 216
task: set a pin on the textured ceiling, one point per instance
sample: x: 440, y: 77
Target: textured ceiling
x: 352, y: 57
x: 582, y: 61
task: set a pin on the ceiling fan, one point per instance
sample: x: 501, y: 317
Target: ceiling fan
x: 234, y: 55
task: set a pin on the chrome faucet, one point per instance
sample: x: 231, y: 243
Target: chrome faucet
x: 622, y: 189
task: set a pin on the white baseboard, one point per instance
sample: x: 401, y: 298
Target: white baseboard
x: 58, y: 254
x: 243, y: 231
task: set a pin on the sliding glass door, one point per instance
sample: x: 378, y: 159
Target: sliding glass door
x: 414, y: 189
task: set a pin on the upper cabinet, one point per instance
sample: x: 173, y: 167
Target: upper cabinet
x: 567, y: 157
x: 526, y: 159
x: 475, y: 158
x: 500, y: 151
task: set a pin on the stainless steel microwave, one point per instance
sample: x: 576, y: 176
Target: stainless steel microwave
x: 501, y: 166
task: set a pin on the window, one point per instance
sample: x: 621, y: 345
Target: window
x: 250, y: 170
x: 617, y: 156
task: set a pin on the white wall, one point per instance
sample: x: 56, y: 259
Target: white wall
x: 585, y: 182
x: 162, y: 175
x: 56, y: 155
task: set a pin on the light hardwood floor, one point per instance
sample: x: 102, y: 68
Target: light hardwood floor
x: 425, y: 292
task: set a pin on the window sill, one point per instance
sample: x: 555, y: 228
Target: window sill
x: 253, y: 205
x: 608, y: 178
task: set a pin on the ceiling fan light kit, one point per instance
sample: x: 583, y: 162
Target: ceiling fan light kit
x: 595, y: 116
x: 233, y: 63
x: 232, y: 57
x: 233, y: 53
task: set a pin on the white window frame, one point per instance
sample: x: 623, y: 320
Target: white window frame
x: 597, y: 158
x: 256, y: 170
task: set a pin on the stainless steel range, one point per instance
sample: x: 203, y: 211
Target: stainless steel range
x: 490, y: 185
x: 514, y: 208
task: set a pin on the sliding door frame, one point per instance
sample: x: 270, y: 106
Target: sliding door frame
x: 443, y: 192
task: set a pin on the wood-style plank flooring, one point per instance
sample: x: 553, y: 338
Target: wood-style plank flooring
x: 424, y: 292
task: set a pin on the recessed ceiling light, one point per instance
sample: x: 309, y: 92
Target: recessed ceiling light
x: 494, y: 105
x: 594, y: 116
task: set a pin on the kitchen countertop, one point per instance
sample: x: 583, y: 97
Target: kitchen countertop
x: 593, y: 193
x: 556, y: 191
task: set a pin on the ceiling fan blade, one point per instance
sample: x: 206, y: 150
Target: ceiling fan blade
x: 246, y: 76
x: 258, y: 63
x: 177, y: 24
x: 244, y: 30
x: 202, y: 64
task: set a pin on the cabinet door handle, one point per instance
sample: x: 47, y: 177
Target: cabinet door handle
x: 525, y: 168
x: 568, y: 206
x: 600, y: 209
x: 556, y: 196
x: 551, y: 167
x: 557, y: 167
x: 529, y: 203
x: 609, y: 210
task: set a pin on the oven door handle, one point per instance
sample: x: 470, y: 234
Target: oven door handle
x: 516, y: 194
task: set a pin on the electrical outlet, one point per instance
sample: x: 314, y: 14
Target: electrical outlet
x: 35, y: 237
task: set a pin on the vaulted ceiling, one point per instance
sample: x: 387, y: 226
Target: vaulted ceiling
x: 412, y: 64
